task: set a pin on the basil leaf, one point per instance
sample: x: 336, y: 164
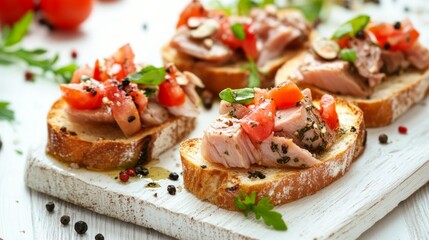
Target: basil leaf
x: 244, y: 7
x: 242, y: 95
x: 19, y: 30
x: 6, y: 113
x: 149, y: 75
x: 66, y: 72
x: 351, y: 27
x: 238, y: 31
x: 311, y: 9
x: 348, y: 55
x: 254, y: 80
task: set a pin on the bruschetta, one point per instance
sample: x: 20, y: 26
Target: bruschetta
x: 225, y: 50
x: 280, y: 147
x: 382, y: 67
x: 118, y: 114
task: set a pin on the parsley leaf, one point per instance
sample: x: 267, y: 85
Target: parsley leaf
x: 348, y: 55
x: 149, y: 75
x: 351, y: 27
x: 262, y: 209
x: 6, y: 113
x: 238, y: 31
x: 254, y: 80
x: 242, y: 95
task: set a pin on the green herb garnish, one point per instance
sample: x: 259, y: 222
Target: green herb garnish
x: 242, y: 95
x: 262, y: 208
x: 348, y: 55
x: 19, y: 152
x: 11, y: 52
x: 240, y: 7
x: 311, y: 9
x: 6, y: 113
x: 149, y: 75
x: 238, y: 31
x: 351, y: 27
x: 254, y: 80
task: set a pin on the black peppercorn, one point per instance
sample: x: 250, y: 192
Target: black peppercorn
x: 99, y: 237
x: 171, y: 189
x: 386, y: 46
x: 397, y: 25
x: 173, y: 176
x: 65, y: 219
x: 141, y: 170
x: 50, y: 206
x: 80, y: 227
x: 382, y: 138
x: 207, y: 98
x: 203, y: 166
x: 360, y: 34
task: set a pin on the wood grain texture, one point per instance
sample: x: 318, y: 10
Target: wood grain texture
x: 342, y: 210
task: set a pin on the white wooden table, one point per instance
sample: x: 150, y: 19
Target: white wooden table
x: 22, y: 211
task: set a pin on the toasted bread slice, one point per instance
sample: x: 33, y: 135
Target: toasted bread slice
x: 389, y: 100
x: 103, y: 146
x: 218, y: 77
x: 220, y: 185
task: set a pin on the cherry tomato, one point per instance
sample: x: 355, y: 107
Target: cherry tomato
x: 66, y: 14
x: 170, y: 94
x: 285, y: 95
x: 395, y: 39
x: 80, y: 96
x: 226, y: 36
x: 124, y: 110
x: 328, y: 111
x: 193, y: 9
x: 259, y: 123
x: 13, y: 10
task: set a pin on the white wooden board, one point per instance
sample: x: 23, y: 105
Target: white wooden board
x: 383, y: 176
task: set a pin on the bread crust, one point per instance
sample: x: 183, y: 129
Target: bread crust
x: 103, y: 146
x: 220, y: 185
x: 389, y: 100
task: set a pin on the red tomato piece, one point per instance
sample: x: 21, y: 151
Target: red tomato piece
x: 124, y: 110
x: 97, y: 72
x: 285, y: 95
x: 193, y: 9
x: 170, y: 93
x: 125, y: 57
x: 227, y: 37
x: 117, y: 71
x: 395, y: 39
x: 343, y: 42
x: 66, y: 14
x: 259, y: 123
x: 328, y: 111
x: 249, y: 44
x: 80, y: 96
x: 139, y: 98
x: 84, y: 70
x: 13, y: 10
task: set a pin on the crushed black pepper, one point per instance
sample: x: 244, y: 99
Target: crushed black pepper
x: 131, y: 118
x: 397, y: 25
x: 233, y: 188
x: 383, y: 138
x: 353, y: 129
x: 256, y: 174
x: 72, y: 133
x: 283, y: 160
x: 63, y: 129
x: 203, y: 166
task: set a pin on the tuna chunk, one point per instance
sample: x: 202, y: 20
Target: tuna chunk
x: 303, y: 124
x: 393, y: 61
x: 154, y: 115
x: 226, y: 143
x: 333, y: 76
x: 368, y: 61
x: 418, y: 56
x: 235, y: 110
x: 99, y: 115
x: 196, y: 48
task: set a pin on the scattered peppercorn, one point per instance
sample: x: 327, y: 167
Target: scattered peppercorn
x: 73, y: 54
x: 142, y: 170
x: 382, y: 138
x: 65, y: 219
x: 155, y: 194
x: 63, y: 129
x: 397, y: 25
x: 207, y: 98
x: 402, y: 130
x: 203, y: 166
x: 29, y: 76
x: 171, y: 189
x: 131, y: 172
x: 50, y: 206
x: 360, y: 34
x: 99, y: 237
x: 125, y: 82
x: 353, y: 129
x: 173, y: 176
x: 80, y: 227
x: 124, y: 177
x: 73, y: 133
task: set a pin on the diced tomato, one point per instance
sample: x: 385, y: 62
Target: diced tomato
x: 124, y: 110
x: 125, y: 57
x: 328, y: 111
x: 227, y: 37
x: 116, y: 71
x: 259, y: 123
x: 139, y: 98
x: 193, y: 9
x: 97, y: 73
x: 399, y: 39
x: 343, y: 42
x: 249, y: 44
x: 84, y: 70
x: 170, y: 93
x: 80, y: 96
x: 285, y: 95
